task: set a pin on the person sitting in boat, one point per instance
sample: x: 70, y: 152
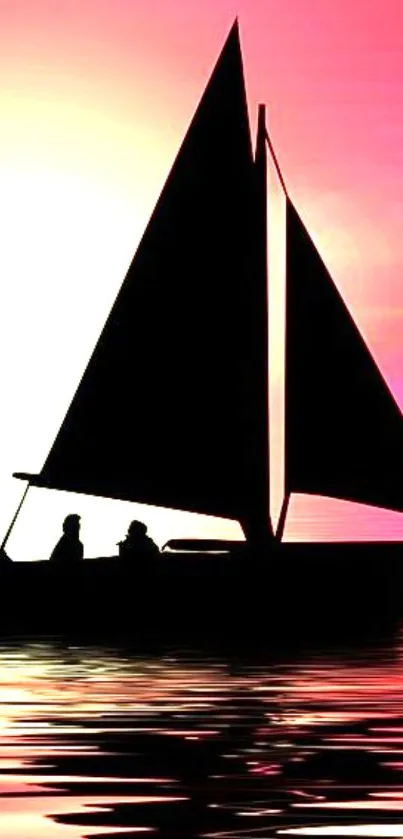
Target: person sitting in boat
x: 69, y: 548
x: 137, y: 543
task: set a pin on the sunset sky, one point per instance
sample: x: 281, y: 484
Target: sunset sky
x: 95, y: 98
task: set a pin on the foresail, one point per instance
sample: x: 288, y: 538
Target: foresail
x: 344, y: 430
x: 163, y: 414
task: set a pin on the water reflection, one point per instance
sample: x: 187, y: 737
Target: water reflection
x: 98, y: 742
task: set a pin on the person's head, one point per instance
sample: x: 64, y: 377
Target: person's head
x: 71, y: 525
x: 137, y: 529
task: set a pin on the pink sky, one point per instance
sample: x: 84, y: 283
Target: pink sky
x: 102, y: 93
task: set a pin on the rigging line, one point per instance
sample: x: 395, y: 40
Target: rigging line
x: 276, y: 163
x: 14, y: 519
x: 283, y: 516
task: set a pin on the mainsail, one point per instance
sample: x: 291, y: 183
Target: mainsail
x: 344, y: 430
x: 166, y: 412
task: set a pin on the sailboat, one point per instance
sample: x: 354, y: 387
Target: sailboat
x: 173, y: 407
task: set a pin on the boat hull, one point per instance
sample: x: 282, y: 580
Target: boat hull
x: 291, y: 592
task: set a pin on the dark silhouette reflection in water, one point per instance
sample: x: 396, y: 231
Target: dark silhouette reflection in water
x: 98, y: 742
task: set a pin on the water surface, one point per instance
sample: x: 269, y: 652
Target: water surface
x: 103, y: 742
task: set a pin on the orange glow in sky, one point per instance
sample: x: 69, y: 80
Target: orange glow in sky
x: 95, y: 98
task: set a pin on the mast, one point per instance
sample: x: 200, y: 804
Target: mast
x: 258, y: 528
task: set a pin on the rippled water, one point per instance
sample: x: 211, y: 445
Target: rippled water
x: 100, y: 742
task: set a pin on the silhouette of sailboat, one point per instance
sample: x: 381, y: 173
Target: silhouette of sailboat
x: 173, y: 408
